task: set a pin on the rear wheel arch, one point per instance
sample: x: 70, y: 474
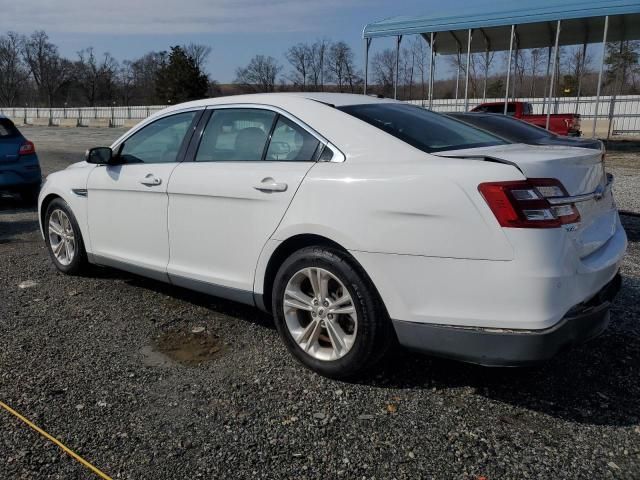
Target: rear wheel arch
x: 293, y: 244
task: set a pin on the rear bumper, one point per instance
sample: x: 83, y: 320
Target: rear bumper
x: 22, y: 174
x: 502, y: 347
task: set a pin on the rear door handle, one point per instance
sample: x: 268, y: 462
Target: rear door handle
x: 270, y: 185
x: 150, y: 180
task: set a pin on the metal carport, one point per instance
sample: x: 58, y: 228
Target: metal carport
x: 500, y: 25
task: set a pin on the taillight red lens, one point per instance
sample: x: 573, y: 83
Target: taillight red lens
x: 27, y: 148
x: 523, y: 204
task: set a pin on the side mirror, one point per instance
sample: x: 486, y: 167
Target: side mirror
x: 99, y: 155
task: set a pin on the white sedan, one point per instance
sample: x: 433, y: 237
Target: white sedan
x: 357, y: 222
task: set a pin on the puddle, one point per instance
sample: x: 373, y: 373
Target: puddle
x: 185, y: 348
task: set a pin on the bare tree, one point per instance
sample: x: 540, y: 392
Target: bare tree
x: 318, y: 63
x: 126, y: 81
x: 50, y: 71
x: 576, y: 62
x: 407, y: 67
x: 478, y: 65
x: 535, y: 61
x: 341, y: 66
x: 300, y: 58
x: 621, y: 59
x: 353, y: 77
x: 519, y: 71
x: 13, y: 73
x: 260, y: 75
x: 419, y: 52
x: 198, y: 52
x: 145, y: 72
x: 383, y: 67
x: 95, y: 79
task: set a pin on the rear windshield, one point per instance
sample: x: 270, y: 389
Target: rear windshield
x: 7, y: 129
x: 420, y: 128
x: 505, y: 127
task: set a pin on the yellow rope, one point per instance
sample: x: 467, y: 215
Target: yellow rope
x: 57, y: 442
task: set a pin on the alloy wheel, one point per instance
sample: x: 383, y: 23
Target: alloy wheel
x: 320, y: 314
x: 61, y: 237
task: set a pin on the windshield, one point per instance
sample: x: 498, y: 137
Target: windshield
x: 420, y: 128
x: 505, y: 127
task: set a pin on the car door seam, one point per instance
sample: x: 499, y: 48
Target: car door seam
x: 255, y: 268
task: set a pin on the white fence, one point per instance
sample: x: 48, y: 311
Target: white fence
x: 115, y: 115
x: 624, y: 114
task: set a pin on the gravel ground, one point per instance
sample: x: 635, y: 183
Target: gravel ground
x: 625, y: 167
x: 109, y: 364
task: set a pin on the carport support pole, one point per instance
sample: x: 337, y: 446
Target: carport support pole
x: 604, y: 52
x: 486, y: 74
x: 553, y: 74
x: 367, y: 45
x: 515, y: 71
x: 431, y: 64
x: 395, y: 87
x: 458, y: 75
x: 466, y: 81
x: 546, y: 90
x: 506, y: 90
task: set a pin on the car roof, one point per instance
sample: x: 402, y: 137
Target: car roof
x: 315, y: 110
x: 333, y: 99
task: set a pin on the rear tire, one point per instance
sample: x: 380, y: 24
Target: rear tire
x: 63, y: 238
x: 337, y: 326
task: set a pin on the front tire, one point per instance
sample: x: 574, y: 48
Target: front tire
x: 328, y: 313
x: 63, y: 238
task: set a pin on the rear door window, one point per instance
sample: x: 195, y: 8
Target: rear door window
x: 291, y: 143
x: 236, y: 134
x: 8, y: 129
x: 420, y: 128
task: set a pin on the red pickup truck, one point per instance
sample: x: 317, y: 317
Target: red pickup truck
x: 567, y: 124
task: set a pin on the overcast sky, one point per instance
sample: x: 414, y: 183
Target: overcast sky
x: 235, y: 29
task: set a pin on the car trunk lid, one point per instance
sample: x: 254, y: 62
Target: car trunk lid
x: 581, y: 172
x: 9, y: 149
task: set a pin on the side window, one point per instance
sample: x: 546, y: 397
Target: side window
x: 235, y: 135
x: 291, y: 143
x: 326, y: 155
x: 495, y: 108
x: 158, y: 142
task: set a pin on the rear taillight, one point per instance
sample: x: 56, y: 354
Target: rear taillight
x: 27, y: 148
x: 524, y: 204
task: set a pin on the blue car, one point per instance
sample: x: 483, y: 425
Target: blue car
x: 19, y: 166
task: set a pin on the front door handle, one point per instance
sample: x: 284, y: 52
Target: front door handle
x: 150, y: 180
x: 270, y: 185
